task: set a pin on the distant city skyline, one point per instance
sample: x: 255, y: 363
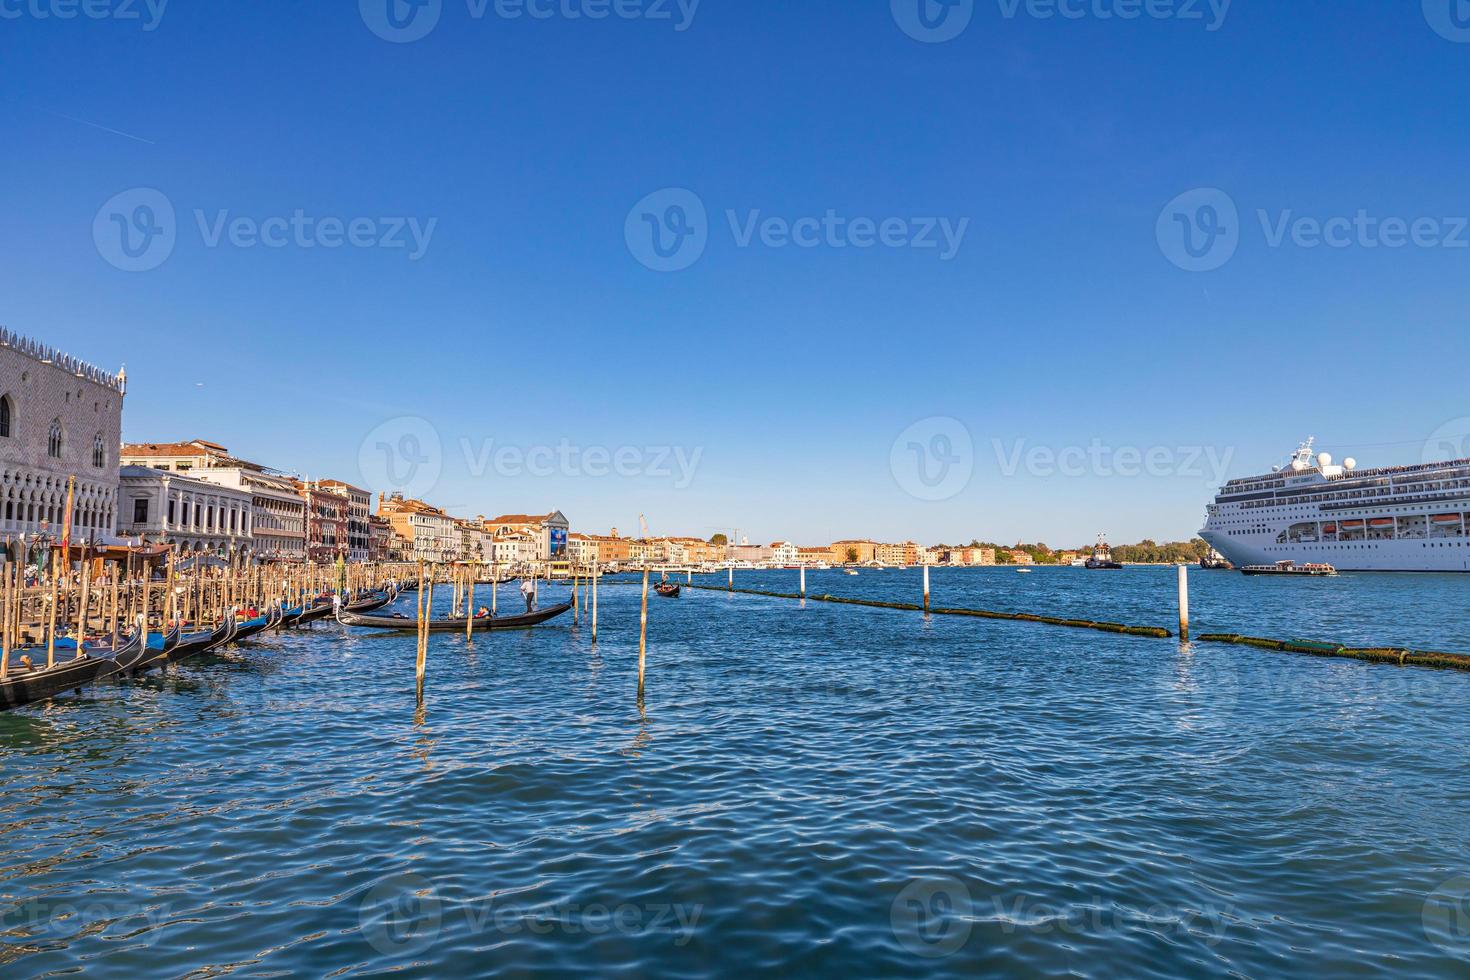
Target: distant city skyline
x: 788, y: 281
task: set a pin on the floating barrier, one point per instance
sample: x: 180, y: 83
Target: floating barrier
x: 1154, y: 632
x: 1383, y: 655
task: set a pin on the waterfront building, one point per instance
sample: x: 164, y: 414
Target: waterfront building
x: 59, y: 418
x: 784, y: 553
x: 360, y: 505
x: 614, y: 550
x: 582, y: 549
x: 746, y: 553
x: 516, y: 548
x: 327, y: 516
x: 1019, y: 557
x: 193, y: 515
x: 549, y: 530
x: 380, y: 539
x: 428, y: 531
x: 278, y: 512
x: 820, y: 555
x: 843, y: 552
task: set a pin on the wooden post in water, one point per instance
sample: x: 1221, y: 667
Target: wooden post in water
x: 469, y: 626
x: 1184, y: 603
x: 596, y: 574
x: 494, y: 586
x: 803, y: 583
x: 83, y: 594
x: 732, y: 578
x: 643, y: 635
x: 926, y: 589
x: 423, y: 650
x: 5, y: 631
x: 51, y: 627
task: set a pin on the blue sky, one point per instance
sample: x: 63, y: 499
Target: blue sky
x: 784, y: 375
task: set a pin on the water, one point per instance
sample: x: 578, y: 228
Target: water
x: 826, y: 789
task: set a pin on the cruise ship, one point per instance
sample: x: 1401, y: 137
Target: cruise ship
x: 1400, y: 519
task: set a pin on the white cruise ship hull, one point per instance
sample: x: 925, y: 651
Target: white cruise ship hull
x: 1398, y: 519
x: 1365, y: 556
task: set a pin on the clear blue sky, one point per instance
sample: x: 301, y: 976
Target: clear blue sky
x: 529, y: 320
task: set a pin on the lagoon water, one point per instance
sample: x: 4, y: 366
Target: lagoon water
x: 808, y: 789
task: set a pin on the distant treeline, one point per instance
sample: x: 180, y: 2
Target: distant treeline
x: 1146, y: 551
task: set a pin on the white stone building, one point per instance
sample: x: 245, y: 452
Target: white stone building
x: 59, y: 418
x: 191, y: 514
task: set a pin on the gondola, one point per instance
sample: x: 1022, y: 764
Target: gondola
x: 320, y: 610
x: 22, y: 687
x: 407, y: 624
x: 126, y: 658
x: 376, y: 600
x: 259, y: 624
x: 196, y: 643
x: 668, y: 590
x: 159, y: 644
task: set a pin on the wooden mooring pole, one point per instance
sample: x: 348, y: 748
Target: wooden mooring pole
x: 926, y: 589
x: 423, y: 649
x: 1183, y: 603
x: 596, y: 574
x: 643, y: 636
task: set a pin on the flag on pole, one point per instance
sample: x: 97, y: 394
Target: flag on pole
x: 71, y: 489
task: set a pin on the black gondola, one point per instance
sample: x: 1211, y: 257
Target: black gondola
x: 27, y: 686
x: 259, y: 624
x: 408, y: 624
x: 159, y: 645
x: 196, y: 643
x: 375, y: 601
x: 668, y: 590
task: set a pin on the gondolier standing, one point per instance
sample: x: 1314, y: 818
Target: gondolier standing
x: 528, y: 591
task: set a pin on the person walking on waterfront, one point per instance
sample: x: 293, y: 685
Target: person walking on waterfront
x: 528, y: 591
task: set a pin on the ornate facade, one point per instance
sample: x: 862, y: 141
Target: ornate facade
x: 193, y: 515
x: 59, y: 418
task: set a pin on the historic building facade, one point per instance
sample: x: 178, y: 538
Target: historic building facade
x: 193, y: 515
x: 59, y: 418
x: 360, y: 507
x: 427, y: 529
x: 278, y: 517
x: 327, y: 515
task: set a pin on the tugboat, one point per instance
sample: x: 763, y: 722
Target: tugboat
x: 1215, y: 562
x: 1102, y: 556
x: 1290, y: 568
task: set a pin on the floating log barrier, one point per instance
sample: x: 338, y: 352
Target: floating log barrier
x: 1154, y: 632
x: 1383, y: 655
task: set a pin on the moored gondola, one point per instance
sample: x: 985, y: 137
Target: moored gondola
x: 370, y: 603
x: 408, y: 624
x: 159, y: 645
x: 259, y: 624
x: 26, y: 685
x: 196, y: 643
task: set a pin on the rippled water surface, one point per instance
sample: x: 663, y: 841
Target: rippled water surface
x: 808, y: 789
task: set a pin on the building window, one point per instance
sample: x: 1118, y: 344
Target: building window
x: 140, y: 510
x: 53, y: 443
x: 99, y: 452
x: 170, y: 511
x: 7, y: 408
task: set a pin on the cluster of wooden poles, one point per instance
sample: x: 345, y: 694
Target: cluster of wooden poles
x: 107, y: 598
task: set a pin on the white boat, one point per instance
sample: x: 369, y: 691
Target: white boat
x: 1313, y: 511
